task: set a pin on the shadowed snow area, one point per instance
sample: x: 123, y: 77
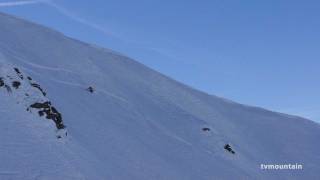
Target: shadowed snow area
x: 122, y: 120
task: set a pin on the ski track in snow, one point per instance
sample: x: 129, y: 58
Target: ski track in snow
x: 97, y: 89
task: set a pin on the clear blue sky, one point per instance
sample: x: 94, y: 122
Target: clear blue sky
x: 261, y: 53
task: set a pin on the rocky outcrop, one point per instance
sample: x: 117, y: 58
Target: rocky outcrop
x: 31, y: 94
x: 39, y: 88
x: 50, y: 112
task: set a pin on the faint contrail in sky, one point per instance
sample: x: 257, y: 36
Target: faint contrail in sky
x: 73, y: 16
x: 19, y: 3
x: 63, y: 11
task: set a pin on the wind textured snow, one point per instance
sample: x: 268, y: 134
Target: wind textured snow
x: 70, y: 110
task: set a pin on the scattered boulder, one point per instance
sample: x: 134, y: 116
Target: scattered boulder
x: 1, y: 82
x: 16, y: 84
x: 228, y: 148
x: 90, y: 89
x: 62, y: 133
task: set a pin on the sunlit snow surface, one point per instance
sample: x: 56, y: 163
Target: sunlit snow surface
x: 137, y: 124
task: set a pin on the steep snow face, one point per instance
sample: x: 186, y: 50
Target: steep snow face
x: 121, y: 120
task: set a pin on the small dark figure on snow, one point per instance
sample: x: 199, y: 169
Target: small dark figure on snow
x: 90, y: 89
x: 206, y: 129
x: 228, y: 148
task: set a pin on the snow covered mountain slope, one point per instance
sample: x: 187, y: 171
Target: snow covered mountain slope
x: 110, y: 117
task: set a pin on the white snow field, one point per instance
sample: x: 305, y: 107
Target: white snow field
x: 137, y: 124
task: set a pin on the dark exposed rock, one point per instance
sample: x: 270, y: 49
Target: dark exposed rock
x: 1, y: 82
x: 16, y: 84
x: 41, y: 113
x: 18, y: 73
x: 46, y: 104
x: 51, y: 113
x: 229, y: 149
x: 38, y: 87
x: 17, y: 70
x: 206, y: 129
x: 44, y: 109
x: 8, y: 88
x: 61, y: 133
x: 90, y: 89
